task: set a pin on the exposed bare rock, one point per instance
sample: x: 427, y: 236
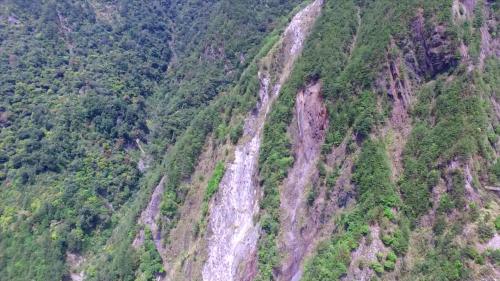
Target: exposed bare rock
x: 13, y: 60
x: 316, y: 225
x: 187, y: 250
x: 428, y: 219
x: 4, y: 118
x: 149, y: 218
x: 493, y: 244
x: 105, y: 11
x: 399, y: 87
x: 490, y: 46
x: 493, y: 188
x: 471, y: 191
x: 464, y: 166
x: 469, y: 5
x: 144, y: 160
x: 280, y: 62
x: 308, y: 131
x: 232, y: 232
x: 359, y: 269
x: 142, y: 165
x: 434, y: 48
x: 338, y: 154
x: 463, y: 9
x: 343, y: 190
x: 74, y: 262
x: 232, y: 239
x: 395, y: 81
x: 13, y: 20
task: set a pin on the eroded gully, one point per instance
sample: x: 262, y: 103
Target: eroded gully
x: 233, y: 234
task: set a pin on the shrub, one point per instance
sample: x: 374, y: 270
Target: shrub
x: 391, y: 256
x: 446, y: 204
x: 497, y: 223
x: 377, y: 267
x: 494, y: 255
x: 439, y: 225
x: 485, y: 231
x: 389, y: 265
x: 236, y: 132
x: 213, y: 183
x: 389, y: 214
x: 473, y: 254
x: 495, y: 172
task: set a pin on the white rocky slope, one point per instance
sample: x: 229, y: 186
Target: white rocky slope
x: 233, y: 234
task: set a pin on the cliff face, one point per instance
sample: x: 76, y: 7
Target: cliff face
x: 298, y: 227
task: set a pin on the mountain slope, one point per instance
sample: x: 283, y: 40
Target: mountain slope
x: 81, y: 82
x: 249, y: 140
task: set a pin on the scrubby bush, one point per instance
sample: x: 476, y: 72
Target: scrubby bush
x: 485, y: 231
x: 377, y: 267
x: 389, y: 265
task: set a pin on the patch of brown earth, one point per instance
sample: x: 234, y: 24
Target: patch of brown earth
x: 308, y: 134
x: 493, y: 244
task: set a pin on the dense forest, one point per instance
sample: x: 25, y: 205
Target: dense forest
x: 110, y: 109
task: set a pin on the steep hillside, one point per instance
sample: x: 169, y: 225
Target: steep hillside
x: 84, y: 83
x: 249, y: 140
x: 415, y: 104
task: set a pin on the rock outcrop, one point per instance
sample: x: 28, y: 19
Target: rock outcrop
x: 308, y: 131
x: 149, y: 218
x: 434, y: 47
